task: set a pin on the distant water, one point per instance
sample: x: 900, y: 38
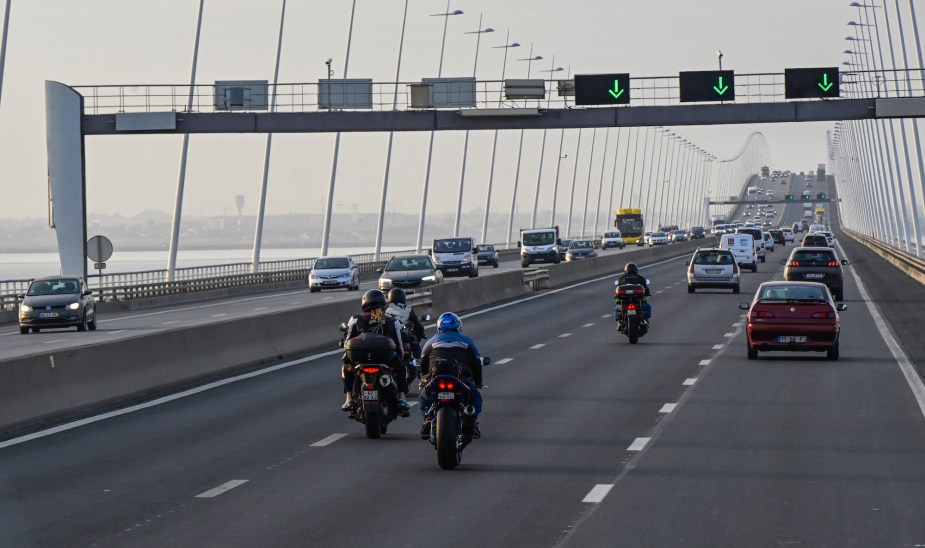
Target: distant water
x: 21, y: 266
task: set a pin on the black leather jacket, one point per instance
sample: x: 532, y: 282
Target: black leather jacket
x: 635, y: 279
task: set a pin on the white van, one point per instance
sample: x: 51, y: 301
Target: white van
x: 612, y: 238
x: 743, y: 248
x: 817, y: 228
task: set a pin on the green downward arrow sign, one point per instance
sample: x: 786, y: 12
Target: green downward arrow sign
x: 826, y: 85
x: 616, y: 92
x: 720, y: 88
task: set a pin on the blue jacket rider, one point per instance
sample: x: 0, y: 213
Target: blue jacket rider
x: 450, y: 344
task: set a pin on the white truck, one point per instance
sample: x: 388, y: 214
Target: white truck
x: 539, y: 245
x: 717, y: 220
x: 456, y: 257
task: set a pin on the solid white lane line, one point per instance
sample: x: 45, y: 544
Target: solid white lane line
x: 54, y: 341
x: 729, y: 334
x: 598, y: 493
x: 503, y: 361
x: 564, y: 335
x: 327, y: 298
x: 218, y: 315
x: 668, y: 408
x: 261, y: 308
x: 590, y: 324
x: 119, y: 331
x: 704, y: 362
x: 537, y: 346
x: 329, y: 440
x: 639, y: 444
x: 170, y: 322
x: 690, y: 382
x: 908, y: 370
x: 227, y: 486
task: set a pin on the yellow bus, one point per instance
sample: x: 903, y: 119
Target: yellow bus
x: 820, y: 216
x: 629, y: 222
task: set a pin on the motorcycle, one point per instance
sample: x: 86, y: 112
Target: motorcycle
x: 375, y: 389
x: 450, y: 431
x: 630, y: 311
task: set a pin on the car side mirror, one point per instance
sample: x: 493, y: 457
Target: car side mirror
x: 743, y: 305
x: 648, y: 281
x: 87, y: 292
x: 841, y: 307
x: 783, y: 261
x: 518, y: 243
x: 379, y: 270
x: 844, y: 261
x: 21, y: 296
x: 486, y: 361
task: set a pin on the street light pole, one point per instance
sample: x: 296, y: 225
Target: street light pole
x: 539, y: 176
x: 520, y: 151
x: 430, y: 150
x: 584, y: 216
x: 6, y: 32
x: 571, y: 202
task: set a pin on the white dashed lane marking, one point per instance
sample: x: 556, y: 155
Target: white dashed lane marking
x: 329, y: 440
x: 170, y: 322
x: 690, y: 382
x: 639, y: 444
x: 503, y: 361
x: 590, y: 324
x: 218, y: 315
x: 668, y: 408
x: 564, y: 335
x: 704, y: 362
x: 261, y: 308
x: 225, y: 487
x: 537, y: 346
x: 729, y: 334
x: 598, y: 493
x: 119, y: 331
x: 605, y: 316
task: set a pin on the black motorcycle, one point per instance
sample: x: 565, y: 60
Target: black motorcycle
x: 451, y: 403
x: 375, y: 389
x: 630, y: 312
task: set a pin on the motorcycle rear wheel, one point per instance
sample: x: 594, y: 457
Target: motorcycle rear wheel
x: 374, y: 425
x: 633, y: 332
x: 445, y: 438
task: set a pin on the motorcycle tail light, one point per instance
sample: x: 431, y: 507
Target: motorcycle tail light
x: 450, y: 385
x: 631, y: 307
x: 823, y: 315
x: 370, y: 386
x: 370, y: 370
x: 442, y: 385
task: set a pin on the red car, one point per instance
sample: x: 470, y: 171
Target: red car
x: 793, y: 317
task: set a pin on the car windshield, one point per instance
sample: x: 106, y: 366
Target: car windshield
x: 611, y: 234
x: 485, y: 247
x: 813, y: 258
x: 792, y: 293
x: 453, y: 245
x: 330, y: 263
x: 679, y: 233
x: 408, y: 263
x: 54, y: 287
x: 581, y: 244
x: 539, y: 238
x: 658, y: 234
x: 713, y: 258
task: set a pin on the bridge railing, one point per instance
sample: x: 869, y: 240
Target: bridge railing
x: 645, y: 91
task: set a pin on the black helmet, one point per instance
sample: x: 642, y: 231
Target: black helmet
x: 396, y: 295
x: 373, y: 299
x: 631, y: 268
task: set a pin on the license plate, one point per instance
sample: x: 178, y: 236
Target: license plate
x: 446, y: 395
x: 370, y: 395
x: 329, y: 283
x: 792, y: 339
x: 714, y: 271
x: 452, y: 270
x: 630, y: 312
x: 813, y: 276
x: 49, y: 314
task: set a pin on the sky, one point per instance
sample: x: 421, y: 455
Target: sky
x: 98, y: 42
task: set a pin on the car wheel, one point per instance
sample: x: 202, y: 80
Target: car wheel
x: 691, y: 289
x: 763, y: 259
x: 92, y: 324
x: 524, y: 265
x: 735, y: 289
x: 496, y: 264
x: 752, y: 353
x: 23, y: 330
x: 832, y: 353
x: 754, y: 267
x: 82, y: 326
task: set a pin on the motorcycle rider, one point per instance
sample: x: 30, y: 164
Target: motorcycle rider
x: 374, y: 320
x: 450, y: 345
x: 631, y: 276
x: 406, y: 317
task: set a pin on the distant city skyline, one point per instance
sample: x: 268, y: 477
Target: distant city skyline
x: 138, y: 42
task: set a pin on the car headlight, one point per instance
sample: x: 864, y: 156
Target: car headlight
x: 74, y: 306
x: 25, y: 308
x: 429, y: 278
x: 467, y: 259
x: 385, y: 280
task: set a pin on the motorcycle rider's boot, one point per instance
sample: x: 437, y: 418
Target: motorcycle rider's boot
x: 469, y: 428
x: 425, y: 428
x: 348, y: 406
x: 404, y: 407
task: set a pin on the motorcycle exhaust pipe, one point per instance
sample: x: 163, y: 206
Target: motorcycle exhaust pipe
x: 469, y: 410
x: 385, y: 381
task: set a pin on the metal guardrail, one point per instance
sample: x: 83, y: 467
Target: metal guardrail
x: 908, y: 263
x: 645, y: 91
x: 536, y: 278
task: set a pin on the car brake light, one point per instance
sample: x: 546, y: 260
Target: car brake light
x: 793, y: 263
x: 823, y: 315
x: 370, y: 386
x: 763, y: 314
x: 370, y: 370
x: 691, y: 268
x: 833, y: 263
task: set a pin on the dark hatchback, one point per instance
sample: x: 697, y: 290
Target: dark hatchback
x: 778, y: 236
x: 816, y: 264
x: 698, y: 232
x: 488, y: 255
x: 56, y: 302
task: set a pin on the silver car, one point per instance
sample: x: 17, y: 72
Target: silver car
x: 712, y: 268
x: 333, y: 273
x: 409, y: 272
